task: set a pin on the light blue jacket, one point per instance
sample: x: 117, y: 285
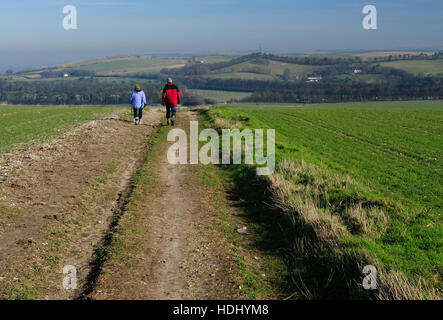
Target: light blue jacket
x: 138, y: 99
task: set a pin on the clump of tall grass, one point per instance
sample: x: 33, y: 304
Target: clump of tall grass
x: 219, y: 122
x: 331, y: 204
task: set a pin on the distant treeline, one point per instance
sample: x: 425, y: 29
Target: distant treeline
x: 72, y: 92
x: 408, y: 56
x: 398, y: 88
x: 92, y: 91
x: 314, y: 60
x: 82, y: 92
x: 408, y: 89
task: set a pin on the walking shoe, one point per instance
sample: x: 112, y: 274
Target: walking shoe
x: 136, y: 121
x: 167, y: 121
x: 173, y: 120
x: 140, y: 121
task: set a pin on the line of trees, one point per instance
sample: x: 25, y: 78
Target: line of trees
x: 430, y: 88
x: 408, y: 56
x: 73, y: 92
x: 315, y: 60
x: 83, y: 92
x: 91, y: 91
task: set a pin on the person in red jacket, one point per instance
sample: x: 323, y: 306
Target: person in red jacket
x: 171, y: 99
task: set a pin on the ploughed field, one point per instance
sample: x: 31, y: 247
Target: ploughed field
x: 372, y: 170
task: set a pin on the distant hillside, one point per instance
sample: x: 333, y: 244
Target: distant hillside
x: 113, y: 66
x: 381, y: 54
x: 249, y: 67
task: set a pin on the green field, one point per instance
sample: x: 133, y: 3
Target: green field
x: 124, y: 65
x: 240, y: 75
x: 378, y: 157
x: 219, y: 96
x: 21, y: 124
x: 134, y: 65
x: 269, y: 71
x: 131, y: 66
x: 417, y: 66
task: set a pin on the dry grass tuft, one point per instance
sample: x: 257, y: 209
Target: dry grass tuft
x: 221, y: 123
x: 369, y: 221
x: 298, y: 187
x: 299, y: 202
x: 394, y: 285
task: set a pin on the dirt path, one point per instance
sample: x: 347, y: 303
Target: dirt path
x: 182, y: 255
x: 104, y: 199
x: 173, y: 214
x: 58, y: 201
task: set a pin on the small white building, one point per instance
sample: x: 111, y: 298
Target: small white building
x: 314, y: 79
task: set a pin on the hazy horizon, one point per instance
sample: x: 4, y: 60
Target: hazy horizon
x: 35, y: 36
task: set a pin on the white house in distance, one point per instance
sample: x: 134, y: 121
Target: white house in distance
x: 66, y: 75
x: 313, y: 79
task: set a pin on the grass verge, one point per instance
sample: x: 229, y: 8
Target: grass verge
x: 261, y: 256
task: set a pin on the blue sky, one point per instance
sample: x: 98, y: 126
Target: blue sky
x: 31, y: 31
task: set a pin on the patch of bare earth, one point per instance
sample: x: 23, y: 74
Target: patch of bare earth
x: 170, y: 241
x: 58, y: 202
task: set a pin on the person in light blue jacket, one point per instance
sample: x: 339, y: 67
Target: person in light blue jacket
x: 138, y: 100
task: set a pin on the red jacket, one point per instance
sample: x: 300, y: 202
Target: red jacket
x: 171, y: 95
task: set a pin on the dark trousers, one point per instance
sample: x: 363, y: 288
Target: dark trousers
x: 138, y: 113
x: 171, y: 111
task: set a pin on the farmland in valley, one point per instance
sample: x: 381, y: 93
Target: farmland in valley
x: 122, y: 65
